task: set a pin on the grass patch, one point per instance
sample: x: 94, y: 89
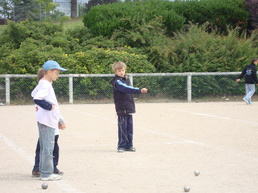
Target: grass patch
x: 72, y: 23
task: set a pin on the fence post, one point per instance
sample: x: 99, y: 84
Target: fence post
x: 70, y: 89
x: 7, y: 89
x: 189, y: 87
x: 131, y: 79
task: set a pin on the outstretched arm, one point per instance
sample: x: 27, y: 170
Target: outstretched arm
x: 126, y: 89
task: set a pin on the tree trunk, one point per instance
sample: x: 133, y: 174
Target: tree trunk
x: 73, y: 8
x: 252, y: 7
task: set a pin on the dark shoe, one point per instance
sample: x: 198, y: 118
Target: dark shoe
x: 120, y: 150
x: 59, y: 173
x: 35, y: 173
x: 132, y: 149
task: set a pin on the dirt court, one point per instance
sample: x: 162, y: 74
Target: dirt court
x: 172, y: 140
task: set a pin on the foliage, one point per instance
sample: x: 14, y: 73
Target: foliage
x: 32, y: 53
x: 29, y: 57
x: 140, y: 37
x: 252, y: 7
x: 150, y: 37
x: 99, y: 60
x: 219, y: 13
x: 92, y: 3
x: 16, y: 33
x: 6, y: 9
x: 105, y: 19
x: 199, y: 51
x: 19, y: 10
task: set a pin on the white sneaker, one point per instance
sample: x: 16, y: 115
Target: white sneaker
x: 52, y: 177
x: 246, y: 100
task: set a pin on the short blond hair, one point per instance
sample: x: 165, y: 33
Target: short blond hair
x: 118, y: 65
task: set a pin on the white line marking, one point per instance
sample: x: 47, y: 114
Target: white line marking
x: 176, y: 137
x: 226, y: 118
x: 64, y: 185
x: 217, y: 117
x: 19, y: 150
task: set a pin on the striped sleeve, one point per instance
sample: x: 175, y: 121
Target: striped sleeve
x: 122, y: 87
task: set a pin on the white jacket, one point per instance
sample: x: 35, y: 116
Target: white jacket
x: 44, y: 91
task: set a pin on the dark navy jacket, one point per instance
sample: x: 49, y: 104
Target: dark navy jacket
x: 123, y: 95
x: 250, y: 74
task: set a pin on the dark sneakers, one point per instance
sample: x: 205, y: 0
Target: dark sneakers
x: 35, y: 173
x: 132, y: 149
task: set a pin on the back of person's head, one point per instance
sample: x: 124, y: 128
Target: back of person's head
x: 118, y: 65
x: 41, y: 73
x: 254, y: 60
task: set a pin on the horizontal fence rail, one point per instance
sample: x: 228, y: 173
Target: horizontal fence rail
x: 78, y: 88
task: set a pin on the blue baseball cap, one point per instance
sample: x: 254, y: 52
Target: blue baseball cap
x: 51, y: 64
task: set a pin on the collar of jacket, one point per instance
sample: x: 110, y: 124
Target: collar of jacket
x: 125, y: 77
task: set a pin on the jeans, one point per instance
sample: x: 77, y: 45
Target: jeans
x: 125, y: 131
x: 249, y: 91
x: 46, y: 141
x: 55, y: 154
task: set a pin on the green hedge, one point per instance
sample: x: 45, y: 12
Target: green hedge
x: 105, y: 19
x: 220, y: 13
x: 199, y: 51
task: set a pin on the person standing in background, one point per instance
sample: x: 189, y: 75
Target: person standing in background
x: 250, y: 80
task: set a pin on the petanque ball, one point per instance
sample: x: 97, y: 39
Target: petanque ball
x: 186, y: 188
x: 44, y: 186
x: 196, y: 172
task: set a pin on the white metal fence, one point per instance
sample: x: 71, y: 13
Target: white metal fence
x: 81, y: 88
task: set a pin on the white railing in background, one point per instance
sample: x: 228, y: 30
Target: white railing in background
x: 131, y: 76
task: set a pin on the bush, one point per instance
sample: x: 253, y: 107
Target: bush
x: 220, y: 13
x: 29, y: 57
x: 16, y: 33
x: 105, y: 19
x: 199, y: 51
x: 99, y: 60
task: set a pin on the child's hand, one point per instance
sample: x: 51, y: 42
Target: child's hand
x: 144, y: 90
x: 61, y: 126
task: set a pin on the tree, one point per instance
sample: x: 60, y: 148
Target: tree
x: 26, y: 9
x: 18, y: 10
x: 6, y: 9
x: 252, y: 7
x: 73, y: 8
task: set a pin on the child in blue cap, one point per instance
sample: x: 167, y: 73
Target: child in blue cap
x: 48, y: 118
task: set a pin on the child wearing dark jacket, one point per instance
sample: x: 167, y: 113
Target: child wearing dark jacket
x: 125, y: 106
x: 250, y: 80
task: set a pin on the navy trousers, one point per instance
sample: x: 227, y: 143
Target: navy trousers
x: 55, y: 154
x: 125, y: 131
